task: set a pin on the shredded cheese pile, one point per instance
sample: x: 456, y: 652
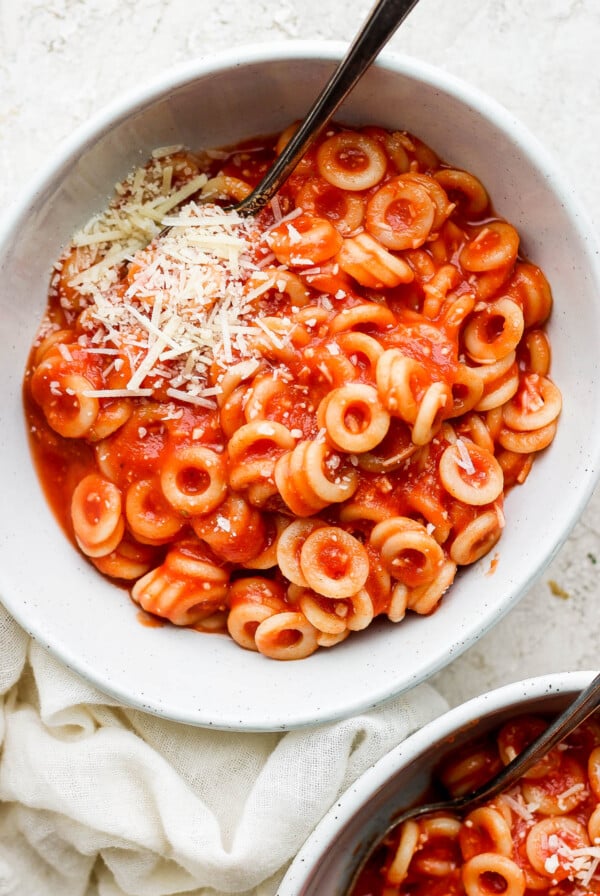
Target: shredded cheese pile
x: 185, y: 305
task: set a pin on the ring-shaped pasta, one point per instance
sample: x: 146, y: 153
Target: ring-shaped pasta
x: 276, y: 523
x: 333, y: 562
x: 425, y: 598
x: 193, y: 479
x: 279, y: 281
x: 407, y: 551
x: 399, y: 380
x: 498, y: 392
x: 234, y: 376
x: 407, y: 846
x: 286, y: 636
x: 495, y: 245
x: 475, y: 871
x: 400, y: 214
x: 235, y: 532
x: 112, y: 416
x: 594, y: 825
x: 304, y: 241
x: 530, y: 288
x: 474, y: 428
x: 367, y: 314
x: 96, y: 515
x: 494, y: 371
x: 594, y: 771
x: 551, y: 799
x: 565, y: 834
x: 467, y: 390
x: 527, y: 442
x: 181, y: 601
x: 129, y: 560
x: 471, y: 474
x: 485, y: 830
x: 536, y: 351
x: 371, y: 265
x: 473, y: 196
x: 289, y: 546
x: 362, y: 612
x: 536, y: 406
x: 354, y: 418
x: 224, y: 186
x: 324, y: 479
x: 398, y: 604
x: 263, y: 389
x: 433, y: 407
x: 343, y: 208
x: 494, y: 332
x: 252, y: 601
x: 441, y: 204
x: 326, y: 640
x: 328, y: 617
x: 351, y: 161
x: 150, y: 517
x: 358, y: 346
x: 476, y: 538
x: 68, y: 405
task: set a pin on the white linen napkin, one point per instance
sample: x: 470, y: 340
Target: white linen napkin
x: 97, y: 798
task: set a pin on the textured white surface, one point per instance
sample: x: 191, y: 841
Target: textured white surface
x: 60, y: 60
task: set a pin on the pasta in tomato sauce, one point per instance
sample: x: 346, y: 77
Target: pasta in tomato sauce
x: 541, y: 836
x: 287, y: 426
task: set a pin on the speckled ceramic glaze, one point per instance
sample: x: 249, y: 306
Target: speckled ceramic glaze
x: 325, y: 864
x: 207, y: 679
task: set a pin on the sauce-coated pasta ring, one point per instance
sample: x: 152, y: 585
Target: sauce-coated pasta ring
x: 569, y: 831
x: 454, y: 312
x: 235, y: 532
x: 333, y: 562
x: 594, y: 771
x: 474, y: 428
x: 252, y: 600
x: 476, y: 539
x: 518, y: 416
x: 96, y: 515
x: 364, y: 258
x: 441, y: 204
x: 128, y: 561
x: 263, y: 388
x: 367, y: 314
x: 224, y: 186
x: 112, y: 415
x: 494, y: 332
x: 471, y: 475
x: 498, y: 392
x: 281, y: 281
x: 292, y: 485
x: 434, y: 405
x: 286, y: 636
x: 267, y: 558
x: 67, y: 406
x: 407, y: 551
x: 489, y: 373
x: 486, y: 864
x: 495, y: 245
x: 289, y: 546
x: 407, y: 846
x: 398, y: 605
x: 552, y: 800
x: 150, y: 517
x: 313, y: 457
x: 527, y: 442
x: 188, y: 560
x: 344, y: 209
x: 48, y: 342
x: 304, y: 241
x: 401, y: 214
x: 173, y: 598
x: 357, y: 345
x: 536, y: 349
x: 467, y: 390
x: 488, y: 824
x: 354, y: 418
x: 362, y: 612
x: 531, y: 289
x: 233, y: 376
x: 351, y: 161
x: 328, y: 617
x: 193, y: 479
x: 395, y: 375
x: 425, y: 598
x: 474, y: 197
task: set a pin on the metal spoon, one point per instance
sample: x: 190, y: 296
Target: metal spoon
x: 382, y: 22
x: 582, y: 707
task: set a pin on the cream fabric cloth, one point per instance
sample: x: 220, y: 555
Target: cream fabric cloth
x: 99, y: 799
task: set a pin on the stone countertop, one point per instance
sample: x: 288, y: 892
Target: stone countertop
x: 60, y: 60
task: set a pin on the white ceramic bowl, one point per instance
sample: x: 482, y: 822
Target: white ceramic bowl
x: 207, y: 679
x: 325, y: 864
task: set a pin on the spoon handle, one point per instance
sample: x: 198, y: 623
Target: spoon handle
x: 383, y: 20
